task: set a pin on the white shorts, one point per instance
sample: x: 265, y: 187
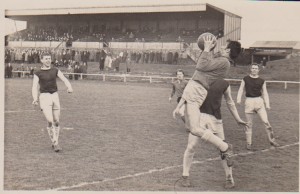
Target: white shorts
x: 194, y: 92
x: 49, y: 100
x: 211, y: 123
x: 253, y: 105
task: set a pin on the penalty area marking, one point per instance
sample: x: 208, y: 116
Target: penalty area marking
x: 166, y: 168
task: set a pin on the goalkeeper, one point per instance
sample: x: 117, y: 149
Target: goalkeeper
x: 209, y: 68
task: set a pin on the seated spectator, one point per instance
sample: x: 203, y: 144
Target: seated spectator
x: 131, y: 35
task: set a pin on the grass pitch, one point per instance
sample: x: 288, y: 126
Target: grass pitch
x: 122, y: 137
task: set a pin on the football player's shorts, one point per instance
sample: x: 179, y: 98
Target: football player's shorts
x: 194, y: 92
x: 49, y: 100
x: 210, y: 122
x: 253, y: 105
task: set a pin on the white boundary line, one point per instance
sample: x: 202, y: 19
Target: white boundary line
x: 166, y: 168
x: 104, y: 106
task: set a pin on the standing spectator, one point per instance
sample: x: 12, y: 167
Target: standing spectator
x: 138, y: 57
x: 31, y: 72
x: 35, y: 56
x: 108, y: 61
x: 76, y: 70
x: 27, y: 73
x: 26, y: 57
x: 70, y: 70
x: 151, y: 57
x: 175, y: 58
x: 84, y: 57
x: 133, y: 57
x: 77, y: 57
x: 165, y: 57
x: 264, y: 62
x: 170, y: 57
x: 83, y: 70
x: 9, y: 70
x: 117, y: 62
x: 128, y: 62
x: 102, y: 59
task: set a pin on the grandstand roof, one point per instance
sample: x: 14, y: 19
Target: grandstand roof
x: 276, y: 44
x: 115, y: 9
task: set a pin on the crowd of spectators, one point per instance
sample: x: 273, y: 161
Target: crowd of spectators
x: 76, y: 61
x: 21, y: 70
x: 83, y: 33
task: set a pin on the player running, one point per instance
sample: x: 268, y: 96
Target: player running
x: 44, y: 81
x: 178, y: 87
x: 257, y: 100
x: 211, y: 120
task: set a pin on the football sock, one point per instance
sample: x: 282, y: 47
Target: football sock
x: 56, y: 134
x: 228, y: 170
x: 51, y: 133
x: 249, y: 137
x: 270, y: 133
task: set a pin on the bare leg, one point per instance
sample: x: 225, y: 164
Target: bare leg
x: 189, y: 154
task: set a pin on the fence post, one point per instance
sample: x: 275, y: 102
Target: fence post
x: 150, y: 79
x: 104, y: 77
x: 81, y: 76
x: 285, y: 85
x: 124, y: 77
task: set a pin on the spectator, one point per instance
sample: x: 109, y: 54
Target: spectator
x: 83, y: 70
x: 76, y: 70
x: 9, y: 70
x: 117, y: 62
x: 31, y: 72
x: 264, y: 62
x: 102, y: 59
x: 175, y: 58
x: 108, y: 61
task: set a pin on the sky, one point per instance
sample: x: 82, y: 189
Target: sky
x: 261, y: 20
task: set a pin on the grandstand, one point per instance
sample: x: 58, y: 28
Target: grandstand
x: 151, y: 27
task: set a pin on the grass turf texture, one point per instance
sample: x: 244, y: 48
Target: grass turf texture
x: 122, y: 129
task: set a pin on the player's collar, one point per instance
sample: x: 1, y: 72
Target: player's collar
x: 257, y: 76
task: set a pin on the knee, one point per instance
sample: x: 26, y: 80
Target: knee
x: 250, y: 124
x: 267, y: 124
x: 190, y: 149
x: 269, y: 128
x: 56, y: 123
x: 50, y: 124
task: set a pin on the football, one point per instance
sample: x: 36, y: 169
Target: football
x: 200, y: 40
